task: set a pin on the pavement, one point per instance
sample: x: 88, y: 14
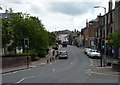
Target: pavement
x: 104, y: 70
x: 95, y: 66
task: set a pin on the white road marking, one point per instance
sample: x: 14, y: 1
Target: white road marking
x: 15, y: 71
x: 32, y: 66
x: 53, y: 69
x: 43, y: 63
x: 21, y: 80
x: 71, y: 63
x: 89, y: 71
x: 91, y: 61
x: 31, y: 77
x: 92, y: 64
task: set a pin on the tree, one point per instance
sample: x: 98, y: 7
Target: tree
x: 7, y: 32
x: 20, y: 26
x: 52, y: 38
x: 114, y: 39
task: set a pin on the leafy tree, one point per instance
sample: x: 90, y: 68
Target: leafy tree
x: 114, y: 39
x: 7, y: 32
x: 20, y: 26
x: 52, y: 38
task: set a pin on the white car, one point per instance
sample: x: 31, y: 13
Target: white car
x: 63, y: 55
x: 87, y: 50
x: 94, y: 54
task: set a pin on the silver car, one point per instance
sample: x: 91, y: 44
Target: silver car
x: 63, y: 55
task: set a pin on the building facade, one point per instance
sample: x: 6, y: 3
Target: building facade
x: 108, y: 23
x: 98, y: 32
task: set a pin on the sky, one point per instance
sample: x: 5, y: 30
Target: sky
x: 58, y: 15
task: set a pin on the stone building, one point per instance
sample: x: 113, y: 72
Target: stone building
x: 97, y: 32
x: 90, y: 33
x: 112, y: 25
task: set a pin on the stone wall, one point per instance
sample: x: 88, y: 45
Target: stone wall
x: 14, y: 61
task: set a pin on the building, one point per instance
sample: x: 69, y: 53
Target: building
x: 112, y: 20
x: 63, y: 35
x: 90, y: 33
x: 97, y: 32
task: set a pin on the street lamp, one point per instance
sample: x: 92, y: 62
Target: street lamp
x: 105, y: 32
x: 101, y: 7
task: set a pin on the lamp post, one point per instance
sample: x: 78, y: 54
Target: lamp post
x: 105, y: 28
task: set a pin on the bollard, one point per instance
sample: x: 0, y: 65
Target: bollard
x: 50, y: 59
x: 47, y: 61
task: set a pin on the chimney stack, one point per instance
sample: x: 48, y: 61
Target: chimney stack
x: 117, y: 3
x: 87, y: 24
x: 110, y: 6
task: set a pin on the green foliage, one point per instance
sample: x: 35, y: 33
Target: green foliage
x: 20, y: 26
x: 7, y: 32
x: 52, y: 38
x: 34, y: 57
x: 114, y: 39
x: 42, y: 53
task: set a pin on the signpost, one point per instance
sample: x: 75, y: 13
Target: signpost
x: 26, y: 46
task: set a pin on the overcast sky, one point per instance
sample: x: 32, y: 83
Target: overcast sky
x: 58, y: 14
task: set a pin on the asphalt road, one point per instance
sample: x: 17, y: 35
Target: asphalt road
x: 75, y: 69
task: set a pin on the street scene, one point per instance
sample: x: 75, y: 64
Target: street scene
x: 60, y: 42
x: 78, y: 68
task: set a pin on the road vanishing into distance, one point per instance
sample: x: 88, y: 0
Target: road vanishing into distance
x: 76, y: 69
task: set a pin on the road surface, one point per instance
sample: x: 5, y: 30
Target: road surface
x: 76, y: 69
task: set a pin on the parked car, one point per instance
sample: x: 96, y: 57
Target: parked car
x: 87, y: 50
x: 93, y: 53
x: 63, y: 55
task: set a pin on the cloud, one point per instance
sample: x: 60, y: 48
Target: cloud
x: 71, y: 8
x: 58, y: 14
x: 35, y: 9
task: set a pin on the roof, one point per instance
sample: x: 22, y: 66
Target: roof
x: 63, y: 32
x: 5, y: 15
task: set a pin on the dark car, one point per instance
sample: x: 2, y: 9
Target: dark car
x: 64, y: 44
